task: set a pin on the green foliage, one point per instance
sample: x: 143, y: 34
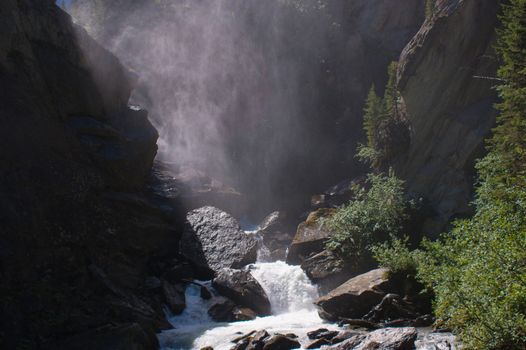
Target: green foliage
x: 372, y: 217
x: 377, y: 110
x: 478, y: 271
x: 396, y: 256
x: 430, y: 8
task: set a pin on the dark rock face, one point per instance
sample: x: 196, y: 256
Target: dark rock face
x: 77, y: 229
x: 277, y: 235
x: 310, y: 237
x: 354, y: 298
x: 328, y: 271
x: 448, y: 104
x: 243, y: 289
x: 174, y: 297
x: 212, y: 239
x: 225, y: 310
x: 382, y: 339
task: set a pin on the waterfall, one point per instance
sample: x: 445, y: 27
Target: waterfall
x: 291, y: 296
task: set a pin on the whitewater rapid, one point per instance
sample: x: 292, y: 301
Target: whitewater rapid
x: 291, y: 297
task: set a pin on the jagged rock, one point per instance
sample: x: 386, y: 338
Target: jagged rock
x: 356, y: 297
x: 225, y: 310
x: 243, y: 289
x: 328, y: 271
x: 322, y: 333
x: 205, y: 293
x: 436, y: 341
x: 280, y: 342
x: 276, y: 235
x: 381, y: 339
x: 449, y: 105
x: 310, y: 237
x: 318, y: 343
x: 213, y: 240
x: 343, y: 336
x: 174, y: 297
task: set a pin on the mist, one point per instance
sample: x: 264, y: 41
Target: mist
x: 256, y: 94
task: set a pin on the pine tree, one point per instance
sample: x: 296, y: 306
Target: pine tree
x: 391, y: 94
x: 372, y: 115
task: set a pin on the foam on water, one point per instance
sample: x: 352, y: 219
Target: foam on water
x: 291, y: 296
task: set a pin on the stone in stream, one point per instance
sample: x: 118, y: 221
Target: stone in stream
x: 281, y: 342
x: 276, y: 235
x: 318, y: 343
x: 213, y: 239
x: 225, y: 310
x: 174, y: 297
x: 243, y: 289
x: 381, y: 339
x: 322, y: 333
x: 356, y: 297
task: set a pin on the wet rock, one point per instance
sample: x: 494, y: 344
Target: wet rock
x: 207, y: 348
x: 152, y: 283
x: 310, y: 237
x: 212, y: 239
x: 327, y: 271
x: 179, y: 272
x: 318, y: 343
x: 356, y: 297
x: 276, y: 234
x: 381, y: 339
x: 280, y: 342
x: 243, y: 289
x: 343, y: 336
x: 174, y: 297
x: 322, y: 333
x: 204, y: 293
x: 225, y: 310
x: 390, y: 308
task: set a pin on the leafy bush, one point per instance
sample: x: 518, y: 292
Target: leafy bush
x: 396, y: 256
x: 372, y: 217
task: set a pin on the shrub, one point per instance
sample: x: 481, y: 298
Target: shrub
x: 372, y: 217
x: 396, y: 256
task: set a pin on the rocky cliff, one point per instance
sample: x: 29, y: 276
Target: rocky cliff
x: 445, y: 77
x: 78, y: 231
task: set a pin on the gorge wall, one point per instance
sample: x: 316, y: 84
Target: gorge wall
x: 446, y: 80
x: 77, y: 231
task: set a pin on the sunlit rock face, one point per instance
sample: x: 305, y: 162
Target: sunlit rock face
x: 266, y: 96
x: 446, y: 80
x: 68, y: 141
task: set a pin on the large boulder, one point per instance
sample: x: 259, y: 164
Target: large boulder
x: 310, y: 237
x: 281, y: 342
x: 381, y: 339
x: 225, y: 310
x: 212, y: 239
x: 356, y: 297
x: 327, y: 271
x: 243, y: 289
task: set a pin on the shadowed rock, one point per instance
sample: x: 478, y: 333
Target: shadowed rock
x: 213, y: 240
x: 243, y: 289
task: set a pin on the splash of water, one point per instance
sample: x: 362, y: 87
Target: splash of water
x: 291, y: 296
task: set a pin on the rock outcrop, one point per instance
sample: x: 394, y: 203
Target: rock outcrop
x: 213, y: 240
x: 356, y: 297
x: 243, y: 289
x: 78, y: 229
x: 310, y: 237
x: 445, y: 77
x: 382, y: 339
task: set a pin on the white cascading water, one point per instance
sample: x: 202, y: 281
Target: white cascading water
x: 291, y: 297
